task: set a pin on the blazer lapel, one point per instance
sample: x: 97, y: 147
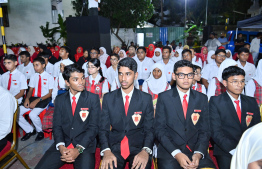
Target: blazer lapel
x: 120, y: 105
x: 80, y: 104
x: 191, y: 105
x: 231, y: 108
x: 244, y: 106
x: 177, y: 106
x: 68, y: 106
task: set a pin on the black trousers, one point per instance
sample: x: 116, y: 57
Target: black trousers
x: 171, y: 163
x: 121, y: 162
x: 3, y: 143
x: 93, y: 12
x: 223, y: 161
x: 52, y: 160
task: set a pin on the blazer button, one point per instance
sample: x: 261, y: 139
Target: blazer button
x: 72, y: 128
x: 125, y: 131
x: 185, y: 129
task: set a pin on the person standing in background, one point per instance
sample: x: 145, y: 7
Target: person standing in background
x: 93, y: 7
x: 255, y: 45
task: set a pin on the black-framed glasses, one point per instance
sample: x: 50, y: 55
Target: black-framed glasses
x: 183, y: 75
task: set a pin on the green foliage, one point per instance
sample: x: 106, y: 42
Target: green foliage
x: 77, y: 6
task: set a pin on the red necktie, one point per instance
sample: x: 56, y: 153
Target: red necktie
x: 185, y: 105
x: 238, y: 110
x: 39, y: 87
x: 73, y: 105
x: 93, y: 87
x: 194, y: 87
x: 9, y: 82
x: 124, y: 146
x: 73, y: 112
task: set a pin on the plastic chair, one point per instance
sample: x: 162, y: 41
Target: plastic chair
x: 12, y: 149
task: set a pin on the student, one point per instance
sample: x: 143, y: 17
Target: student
x: 197, y: 77
x: 32, y: 52
x: 254, y: 85
x: 79, y: 53
x: 156, y: 83
x: 249, y: 68
x: 211, y: 69
x: 96, y: 83
x: 103, y: 55
x: 210, y: 57
x: 231, y: 113
x: 181, y: 123
x: 94, y: 55
x: 116, y: 84
x: 56, y: 52
x: 84, y: 58
x: 130, y: 113
x: 187, y: 55
x: 8, y: 106
x: 144, y: 65
x: 39, y: 95
x: 177, y: 56
x: 75, y: 125
x: 64, y: 53
x: 111, y: 72
x: 157, y: 55
x: 26, y: 67
x: 150, y: 51
x: 216, y: 86
x: 250, y: 58
x: 49, y: 66
x: 21, y: 49
x: 122, y: 54
x: 228, y: 54
x: 167, y: 63
x: 131, y: 51
x: 13, y: 80
x: 255, y: 46
x: 179, y: 46
x: 197, y: 59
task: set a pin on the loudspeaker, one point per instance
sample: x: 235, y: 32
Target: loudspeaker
x: 206, y: 32
x: 88, y: 32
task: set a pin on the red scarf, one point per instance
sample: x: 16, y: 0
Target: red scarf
x: 78, y: 55
x: 202, y: 55
x: 56, y: 53
x: 149, y: 53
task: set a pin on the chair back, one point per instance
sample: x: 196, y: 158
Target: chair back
x: 14, y: 127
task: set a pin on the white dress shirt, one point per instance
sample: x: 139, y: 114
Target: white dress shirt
x: 27, y: 70
x: 212, y: 44
x: 198, y: 63
x: 249, y: 69
x: 169, y: 68
x: 93, y: 4
x: 103, y: 68
x: 144, y: 67
x: 209, y: 71
x: 18, y: 82
x: 111, y: 74
x: 49, y: 68
x: 57, y: 66
x: 97, y: 78
x: 204, y: 91
x: 250, y: 88
x: 181, y: 47
x: 255, y: 45
x: 8, y: 106
x: 47, y: 83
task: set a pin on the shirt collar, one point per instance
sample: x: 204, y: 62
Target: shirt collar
x: 129, y: 94
x: 239, y: 64
x: 181, y: 94
x: 233, y: 99
x: 98, y: 77
x: 13, y: 72
x: 42, y: 74
x: 77, y: 95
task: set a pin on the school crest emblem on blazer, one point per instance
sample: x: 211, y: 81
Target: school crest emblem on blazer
x: 84, y: 113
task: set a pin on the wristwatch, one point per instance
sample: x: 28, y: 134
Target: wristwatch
x: 80, y: 149
x: 147, y: 150
x: 40, y: 99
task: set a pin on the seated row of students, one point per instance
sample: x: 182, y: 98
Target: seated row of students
x: 182, y: 121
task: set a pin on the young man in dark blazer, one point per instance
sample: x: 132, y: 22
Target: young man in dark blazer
x: 182, y: 123
x: 231, y: 113
x: 75, y: 124
x: 126, y: 123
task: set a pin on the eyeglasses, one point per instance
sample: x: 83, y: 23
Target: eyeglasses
x: 198, y: 74
x: 93, y: 53
x: 183, y: 75
x: 235, y: 83
x: 114, y: 60
x: 224, y: 56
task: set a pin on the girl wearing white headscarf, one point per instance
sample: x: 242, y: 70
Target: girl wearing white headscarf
x: 20, y: 50
x: 155, y: 57
x: 122, y: 54
x: 10, y: 51
x: 32, y: 52
x: 254, y: 85
x: 228, y: 54
x: 209, y: 57
x: 213, y: 89
x: 178, y: 55
x: 249, y: 149
x: 104, y: 56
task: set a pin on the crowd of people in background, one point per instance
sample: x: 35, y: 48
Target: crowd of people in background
x: 36, y: 76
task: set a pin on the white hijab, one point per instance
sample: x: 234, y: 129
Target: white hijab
x: 209, y: 54
x: 61, y: 80
x: 172, y: 51
x: 10, y: 51
x: 225, y: 64
x: 32, y: 50
x: 230, y: 53
x: 258, y: 74
x: 123, y: 53
x: 175, y: 59
x: 157, y: 85
x: 157, y: 58
x: 103, y: 57
x: 249, y: 148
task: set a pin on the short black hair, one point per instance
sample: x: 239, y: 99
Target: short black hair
x: 240, y: 50
x: 186, y: 50
x: 128, y: 62
x: 11, y: 57
x: 43, y: 54
x: 195, y: 67
x: 183, y: 63
x: 239, y: 34
x: 142, y: 47
x: 70, y: 69
x: 67, y: 49
x: 192, y: 48
x: 246, y: 44
x: 131, y: 47
x: 232, y: 71
x: 220, y: 50
x: 96, y: 49
x: 259, y: 34
x: 115, y: 55
x: 167, y: 47
x: 39, y: 59
x: 26, y: 53
x: 180, y: 42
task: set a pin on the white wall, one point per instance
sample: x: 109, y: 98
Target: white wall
x: 128, y: 35
x: 25, y: 18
